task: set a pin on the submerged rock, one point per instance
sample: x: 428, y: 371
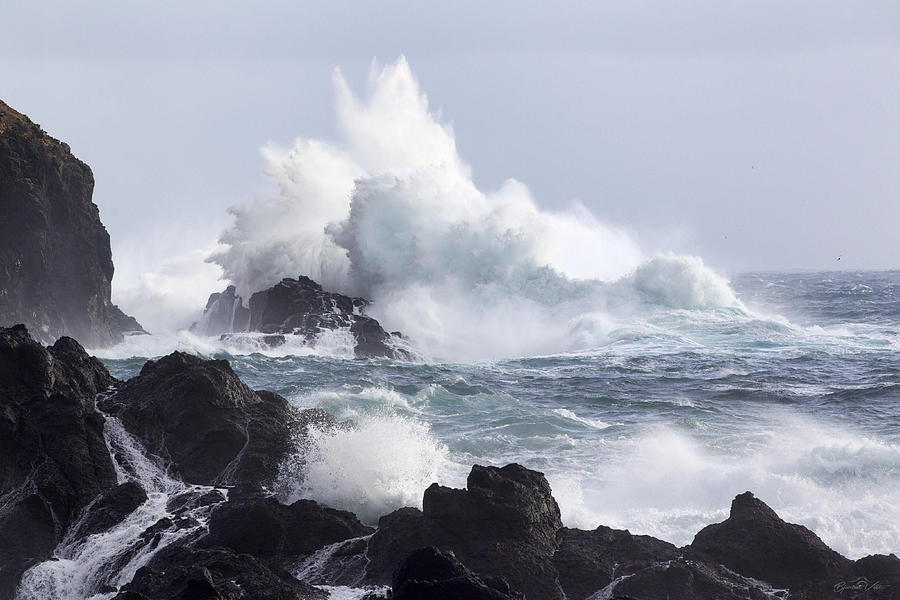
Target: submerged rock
x: 55, y: 260
x: 205, y: 422
x: 53, y: 458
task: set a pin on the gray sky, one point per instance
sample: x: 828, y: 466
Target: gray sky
x: 759, y: 135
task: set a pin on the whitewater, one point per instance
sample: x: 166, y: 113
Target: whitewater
x: 647, y: 387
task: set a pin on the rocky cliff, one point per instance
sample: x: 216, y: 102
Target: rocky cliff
x: 55, y: 260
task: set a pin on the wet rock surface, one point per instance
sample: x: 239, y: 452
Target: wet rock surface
x: 54, y: 458
x: 756, y: 542
x: 429, y: 574
x: 197, y: 416
x: 268, y: 529
x: 110, y: 509
x: 587, y: 561
x: 55, y: 261
x: 299, y: 307
x: 190, y: 574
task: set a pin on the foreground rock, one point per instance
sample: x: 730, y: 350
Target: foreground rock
x: 503, y: 525
x: 277, y: 532
x: 203, y: 420
x: 55, y: 260
x: 53, y: 458
x: 756, y: 542
x: 506, y: 524
x: 498, y: 539
x: 587, y: 561
x: 429, y: 574
x: 298, y: 307
x: 190, y: 574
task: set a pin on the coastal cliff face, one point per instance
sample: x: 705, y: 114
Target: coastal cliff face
x: 55, y: 259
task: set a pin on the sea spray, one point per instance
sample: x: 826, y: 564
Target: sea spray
x: 370, y: 468
x: 390, y: 212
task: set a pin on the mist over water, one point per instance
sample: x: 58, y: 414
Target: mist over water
x: 649, y: 388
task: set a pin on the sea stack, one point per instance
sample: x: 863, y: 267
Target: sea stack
x: 55, y: 260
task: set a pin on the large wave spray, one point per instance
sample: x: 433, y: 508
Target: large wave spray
x: 390, y: 212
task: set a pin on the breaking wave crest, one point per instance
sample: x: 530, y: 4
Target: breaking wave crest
x: 390, y: 212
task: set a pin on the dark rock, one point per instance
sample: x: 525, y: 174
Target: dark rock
x: 201, y: 419
x: 54, y: 458
x: 342, y: 563
x: 504, y: 524
x: 188, y: 574
x: 398, y: 534
x: 193, y: 499
x: 429, y: 574
x: 55, y: 260
x: 687, y: 580
x: 755, y: 542
x: 267, y: 529
x: 588, y: 561
x: 300, y: 306
x: 109, y: 509
x: 878, y: 567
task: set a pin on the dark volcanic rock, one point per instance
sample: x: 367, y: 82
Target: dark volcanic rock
x: 504, y: 524
x: 109, y: 509
x: 188, y: 574
x: 270, y: 530
x: 55, y: 260
x: 688, y: 580
x: 588, y: 561
x: 199, y: 417
x: 53, y: 458
x: 398, y: 534
x: 301, y: 306
x: 755, y: 542
x: 429, y: 574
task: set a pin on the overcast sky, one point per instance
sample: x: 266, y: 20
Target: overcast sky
x: 759, y: 135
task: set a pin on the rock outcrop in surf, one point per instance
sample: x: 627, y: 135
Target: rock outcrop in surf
x: 164, y: 492
x: 298, y: 307
x: 55, y: 260
x: 54, y: 459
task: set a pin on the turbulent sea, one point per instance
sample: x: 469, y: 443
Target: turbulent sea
x: 792, y: 393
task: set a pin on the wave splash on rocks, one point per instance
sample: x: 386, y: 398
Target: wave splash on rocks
x: 160, y: 487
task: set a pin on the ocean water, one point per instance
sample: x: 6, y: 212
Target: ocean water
x: 652, y: 423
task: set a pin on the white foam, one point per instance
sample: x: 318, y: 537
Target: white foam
x: 670, y: 484
x: 80, y: 566
x: 382, y: 464
x: 337, y: 343
x: 568, y: 414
